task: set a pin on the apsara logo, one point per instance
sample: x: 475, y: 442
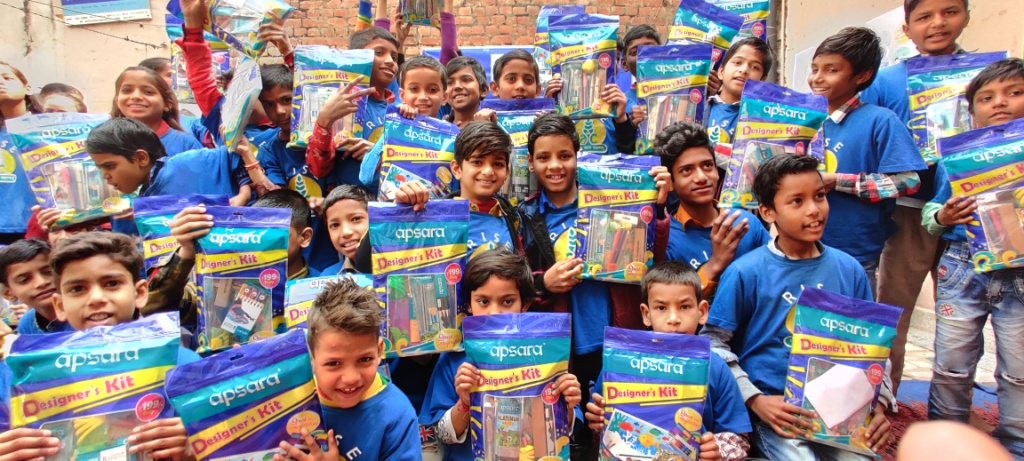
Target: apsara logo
x: 225, y: 397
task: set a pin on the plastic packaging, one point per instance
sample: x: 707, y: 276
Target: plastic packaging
x: 583, y: 55
x: 671, y: 82
x: 421, y: 150
x: 320, y: 72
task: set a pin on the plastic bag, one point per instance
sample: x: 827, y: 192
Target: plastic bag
x: 840, y: 346
x: 153, y: 216
x: 421, y: 150
x: 516, y: 117
x: 754, y: 14
x: 517, y: 412
x: 300, y: 294
x: 242, y: 97
x: 319, y: 73
x: 697, y: 21
x: 237, y: 22
x: 419, y: 260
x: 616, y: 222
x: 583, y: 56
x: 422, y: 12
x: 772, y: 120
x: 542, y: 43
x: 219, y: 54
x: 671, y: 82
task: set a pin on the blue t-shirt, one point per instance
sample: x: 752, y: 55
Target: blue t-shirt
x: 382, y: 427
x: 724, y: 407
x: 693, y: 244
x: 943, y: 192
x: 194, y: 125
x: 487, y: 232
x: 29, y: 325
x: 889, y: 90
x: 176, y: 142
x: 722, y: 122
x: 869, y: 140
x: 15, y: 193
x: 200, y: 171
x: 373, y: 126
x: 441, y: 397
x: 590, y: 302
x: 211, y: 122
x: 757, y: 294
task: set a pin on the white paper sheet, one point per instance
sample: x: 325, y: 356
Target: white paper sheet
x: 839, y: 393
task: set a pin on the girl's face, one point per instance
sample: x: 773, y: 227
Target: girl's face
x: 138, y: 98
x: 11, y: 87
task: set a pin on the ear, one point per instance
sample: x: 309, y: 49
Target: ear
x: 380, y: 347
x: 767, y: 213
x: 141, y: 157
x: 906, y: 29
x: 306, y: 237
x: 645, y: 312
x: 456, y: 170
x: 863, y: 77
x: 401, y: 93
x: 703, y: 307
x: 494, y: 88
x: 721, y: 71
x: 529, y: 162
x: 8, y: 294
x: 141, y: 293
x: 58, y: 308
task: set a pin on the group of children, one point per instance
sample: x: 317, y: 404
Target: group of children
x: 718, y: 272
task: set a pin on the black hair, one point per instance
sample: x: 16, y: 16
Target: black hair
x: 64, y: 89
x: 910, y: 5
x: 635, y: 33
x: 123, y: 137
x: 485, y: 137
x: 302, y: 217
x: 857, y: 45
x: 156, y: 64
x: 463, y: 62
x: 503, y: 264
x: 32, y: 103
x: 347, y: 192
x: 499, y: 66
x: 998, y: 71
x: 670, y: 273
x: 552, y: 124
x: 676, y: 138
x: 170, y: 115
x: 771, y: 172
x: 120, y: 248
x: 343, y: 307
x: 362, y: 39
x: 761, y: 46
x: 21, y: 251
x: 276, y: 75
x: 423, y: 62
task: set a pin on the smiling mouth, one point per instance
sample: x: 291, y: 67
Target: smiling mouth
x: 350, y: 245
x: 349, y: 392
x: 815, y: 226
x: 99, y: 317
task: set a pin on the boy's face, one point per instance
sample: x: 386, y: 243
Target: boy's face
x: 554, y: 163
x: 935, y: 25
x: 481, y: 175
x: 629, y: 60
x: 31, y: 283
x: 98, y: 291
x: 139, y: 99
x: 800, y: 208
x: 347, y: 222
x: 385, y: 62
x: 124, y: 175
x: 277, y: 104
x: 673, y: 308
x: 746, y: 63
x: 518, y: 81
x: 424, y: 90
x: 695, y: 176
x: 463, y: 90
x: 832, y: 77
x: 497, y: 296
x: 298, y: 239
x: 998, y: 102
x: 345, y: 365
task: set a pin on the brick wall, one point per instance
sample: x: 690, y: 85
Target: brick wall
x: 480, y: 22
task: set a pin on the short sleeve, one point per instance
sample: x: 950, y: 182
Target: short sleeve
x: 899, y: 153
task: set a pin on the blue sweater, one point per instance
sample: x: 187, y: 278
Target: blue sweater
x: 382, y: 427
x: 440, y: 397
x: 176, y: 142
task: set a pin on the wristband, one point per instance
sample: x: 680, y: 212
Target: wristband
x: 462, y: 407
x: 252, y: 166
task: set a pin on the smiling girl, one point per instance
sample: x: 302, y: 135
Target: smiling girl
x: 143, y: 95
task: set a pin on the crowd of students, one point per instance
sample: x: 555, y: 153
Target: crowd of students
x: 731, y: 275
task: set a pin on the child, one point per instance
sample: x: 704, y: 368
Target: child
x: 467, y: 86
x: 16, y: 100
x: 965, y: 300
x: 628, y: 47
x: 912, y: 253
x: 497, y: 282
x: 686, y: 152
x: 747, y: 59
x: 27, y: 278
x: 162, y: 67
x: 871, y: 157
x: 345, y: 212
x: 98, y: 284
x: 365, y: 414
x: 60, y: 97
x: 747, y: 322
x: 142, y: 95
x: 673, y: 304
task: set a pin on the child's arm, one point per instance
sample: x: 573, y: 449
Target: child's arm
x: 167, y: 283
x: 198, y: 57
x: 380, y: 16
x: 243, y: 196
x: 320, y: 152
x: 625, y: 131
x: 315, y: 453
x: 364, y: 19
x: 726, y: 234
x: 455, y: 422
x: 273, y: 32
x: 879, y: 430
x: 945, y: 210
x: 595, y: 414
x: 561, y: 276
x: 401, y: 31
x: 449, y: 33
x: 898, y: 164
x: 26, y: 444
x: 874, y: 187
x: 663, y: 225
x: 161, y: 439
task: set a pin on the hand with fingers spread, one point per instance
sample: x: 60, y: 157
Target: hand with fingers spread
x: 562, y: 276
x: 956, y: 210
x: 595, y: 413
x: 638, y: 114
x: 315, y: 452
x: 709, y: 447
x: 663, y: 182
x: 880, y: 430
x: 554, y: 87
x: 784, y: 418
x: 273, y: 32
x: 188, y: 225
x: 161, y: 439
x: 341, y: 104
x: 612, y: 94
x: 413, y: 193
x: 486, y: 115
x: 726, y: 233
x: 27, y: 445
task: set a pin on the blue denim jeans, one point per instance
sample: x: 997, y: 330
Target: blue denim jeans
x: 777, y: 448
x: 963, y: 304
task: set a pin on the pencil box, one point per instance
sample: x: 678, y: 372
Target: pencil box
x: 772, y: 120
x: 583, y: 55
x: 616, y: 222
x: 153, y: 217
x: 840, y: 346
x: 671, y: 83
x: 92, y: 388
x: 698, y: 21
x: 419, y: 259
x: 320, y: 72
x: 51, y: 149
x: 654, y: 386
x: 300, y: 294
x: 516, y: 412
x: 421, y: 150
